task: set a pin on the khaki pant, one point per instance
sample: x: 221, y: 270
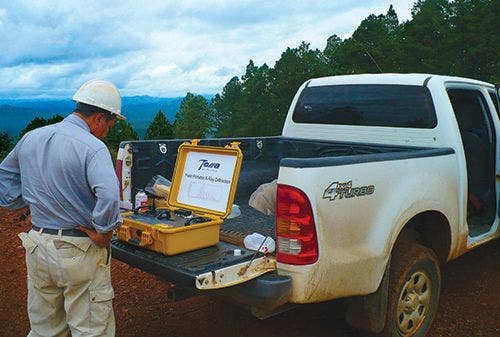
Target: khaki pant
x: 69, y: 286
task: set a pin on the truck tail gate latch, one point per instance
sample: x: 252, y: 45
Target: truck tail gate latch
x: 235, y: 274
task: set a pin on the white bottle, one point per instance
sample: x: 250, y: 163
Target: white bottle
x: 141, y: 199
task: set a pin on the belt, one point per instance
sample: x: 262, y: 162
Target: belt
x: 65, y: 232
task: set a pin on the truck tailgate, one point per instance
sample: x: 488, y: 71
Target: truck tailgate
x: 208, y: 268
x: 259, y: 287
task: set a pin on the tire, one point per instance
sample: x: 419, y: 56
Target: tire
x: 414, y: 287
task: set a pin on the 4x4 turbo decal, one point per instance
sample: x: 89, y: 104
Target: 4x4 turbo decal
x: 346, y: 190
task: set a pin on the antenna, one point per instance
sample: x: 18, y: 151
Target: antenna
x: 368, y: 53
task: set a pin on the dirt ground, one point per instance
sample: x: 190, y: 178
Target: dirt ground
x: 469, y: 306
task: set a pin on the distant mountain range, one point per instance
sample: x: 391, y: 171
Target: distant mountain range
x: 139, y: 110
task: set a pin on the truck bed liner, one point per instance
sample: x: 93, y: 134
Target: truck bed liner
x: 250, y: 221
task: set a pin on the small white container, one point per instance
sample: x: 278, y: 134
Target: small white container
x: 141, y: 199
x: 237, y: 252
x: 256, y: 240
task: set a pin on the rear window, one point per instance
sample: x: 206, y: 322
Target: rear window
x: 405, y: 106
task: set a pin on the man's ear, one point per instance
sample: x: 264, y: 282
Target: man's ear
x: 94, y: 121
x: 100, y: 117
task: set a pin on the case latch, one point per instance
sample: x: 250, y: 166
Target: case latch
x: 124, y: 232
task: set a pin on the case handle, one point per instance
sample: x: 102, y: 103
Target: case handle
x: 145, y: 240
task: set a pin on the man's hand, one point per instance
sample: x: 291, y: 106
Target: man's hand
x: 100, y: 239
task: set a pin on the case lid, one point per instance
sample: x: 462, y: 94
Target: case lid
x: 205, y: 178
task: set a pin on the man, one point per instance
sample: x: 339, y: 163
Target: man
x: 64, y: 174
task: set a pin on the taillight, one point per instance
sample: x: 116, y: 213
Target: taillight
x: 295, y: 229
x: 118, y: 170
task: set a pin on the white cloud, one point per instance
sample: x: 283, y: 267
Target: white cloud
x: 164, y: 48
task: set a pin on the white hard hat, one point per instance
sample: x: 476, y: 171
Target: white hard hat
x: 102, y: 94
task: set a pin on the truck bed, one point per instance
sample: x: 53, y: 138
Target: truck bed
x: 261, y: 163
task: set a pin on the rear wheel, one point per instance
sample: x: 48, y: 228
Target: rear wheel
x: 414, y: 287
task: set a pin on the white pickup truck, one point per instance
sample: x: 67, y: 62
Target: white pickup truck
x: 381, y: 179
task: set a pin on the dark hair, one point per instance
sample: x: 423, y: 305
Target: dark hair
x: 89, y: 110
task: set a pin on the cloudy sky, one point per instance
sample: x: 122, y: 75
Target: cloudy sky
x: 161, y: 48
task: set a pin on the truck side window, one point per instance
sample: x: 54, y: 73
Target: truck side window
x: 472, y: 112
x: 407, y: 106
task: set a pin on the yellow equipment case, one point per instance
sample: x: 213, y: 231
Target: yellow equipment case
x: 200, y: 198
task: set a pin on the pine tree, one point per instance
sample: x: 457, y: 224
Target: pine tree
x: 193, y: 120
x: 160, y: 128
x: 227, y: 107
x: 122, y: 130
x: 373, y: 47
x: 295, y: 66
x: 426, y: 39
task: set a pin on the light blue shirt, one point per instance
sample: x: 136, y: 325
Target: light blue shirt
x: 65, y: 175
